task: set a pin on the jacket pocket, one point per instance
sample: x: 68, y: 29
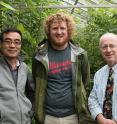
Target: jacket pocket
x: 0, y: 117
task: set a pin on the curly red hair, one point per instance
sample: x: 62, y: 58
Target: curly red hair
x: 60, y: 17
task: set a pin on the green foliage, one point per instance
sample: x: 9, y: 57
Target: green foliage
x: 27, y: 17
x: 99, y: 22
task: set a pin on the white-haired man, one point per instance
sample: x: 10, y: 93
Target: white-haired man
x: 102, y: 101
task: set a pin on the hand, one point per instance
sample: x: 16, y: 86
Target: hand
x: 108, y: 121
x: 102, y: 120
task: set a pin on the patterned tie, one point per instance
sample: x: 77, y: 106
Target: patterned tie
x: 107, y: 106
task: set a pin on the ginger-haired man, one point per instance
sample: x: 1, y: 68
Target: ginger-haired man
x: 61, y: 72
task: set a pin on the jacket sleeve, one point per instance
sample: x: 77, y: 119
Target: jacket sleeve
x: 84, y: 80
x: 34, y: 68
x: 30, y: 88
x: 85, y: 70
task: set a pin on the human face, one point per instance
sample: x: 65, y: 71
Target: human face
x: 109, y: 50
x: 59, y: 35
x: 11, y: 45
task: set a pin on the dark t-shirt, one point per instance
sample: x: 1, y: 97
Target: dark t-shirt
x: 59, y: 98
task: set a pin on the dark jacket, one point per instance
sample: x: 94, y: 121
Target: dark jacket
x: 80, y: 80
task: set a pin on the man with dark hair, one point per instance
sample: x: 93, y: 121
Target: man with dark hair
x: 16, y: 83
x: 61, y: 72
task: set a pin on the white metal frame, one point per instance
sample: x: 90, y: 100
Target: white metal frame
x: 77, y: 6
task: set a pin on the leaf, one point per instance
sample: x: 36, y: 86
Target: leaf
x: 21, y: 27
x: 7, y: 6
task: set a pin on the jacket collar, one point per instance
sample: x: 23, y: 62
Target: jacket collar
x: 42, y: 49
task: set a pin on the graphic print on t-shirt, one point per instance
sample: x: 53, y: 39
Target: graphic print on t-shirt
x: 56, y: 67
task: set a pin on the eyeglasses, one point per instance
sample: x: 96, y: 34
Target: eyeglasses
x: 10, y: 42
x: 105, y: 47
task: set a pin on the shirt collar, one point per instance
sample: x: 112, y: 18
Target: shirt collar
x: 114, y: 68
x: 17, y: 64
